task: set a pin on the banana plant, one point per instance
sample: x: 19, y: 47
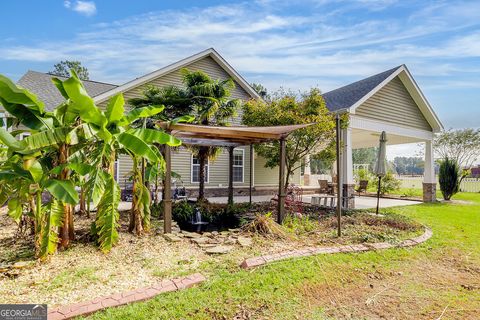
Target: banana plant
x: 114, y: 134
x: 24, y: 179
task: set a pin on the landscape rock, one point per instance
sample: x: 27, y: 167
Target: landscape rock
x: 191, y: 235
x: 219, y: 249
x: 244, y: 241
x: 230, y: 241
x: 201, y: 240
x: 23, y: 264
x: 171, y: 237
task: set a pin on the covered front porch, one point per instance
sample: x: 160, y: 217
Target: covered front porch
x: 390, y: 101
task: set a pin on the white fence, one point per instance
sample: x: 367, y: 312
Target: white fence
x: 415, y: 182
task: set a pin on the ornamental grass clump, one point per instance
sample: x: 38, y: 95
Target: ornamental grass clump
x: 265, y: 225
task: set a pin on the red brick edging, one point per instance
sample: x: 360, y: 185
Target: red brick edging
x: 263, y: 260
x: 85, y: 308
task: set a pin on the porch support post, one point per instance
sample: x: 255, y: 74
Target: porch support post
x: 429, y: 180
x: 306, y: 171
x: 230, y: 176
x: 167, y: 190
x: 347, y: 169
x: 250, y: 187
x: 281, y: 182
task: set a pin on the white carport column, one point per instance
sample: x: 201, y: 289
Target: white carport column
x: 306, y: 171
x: 429, y: 179
x: 347, y: 169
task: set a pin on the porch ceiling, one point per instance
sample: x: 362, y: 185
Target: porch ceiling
x: 362, y: 138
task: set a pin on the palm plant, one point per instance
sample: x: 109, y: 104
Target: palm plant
x: 212, y: 105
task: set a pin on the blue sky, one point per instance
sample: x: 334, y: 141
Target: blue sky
x: 296, y: 45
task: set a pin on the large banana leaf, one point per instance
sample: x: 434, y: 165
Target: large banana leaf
x: 97, y: 185
x: 185, y: 119
x: 13, y: 94
x: 155, y: 136
x: 51, y: 220
x: 108, y: 216
x: 137, y: 146
x: 46, y: 138
x: 115, y: 109
x: 82, y: 103
x: 35, y: 169
x: 32, y: 119
x: 138, y: 113
x: 63, y: 190
x: 7, y: 139
x: 15, y: 209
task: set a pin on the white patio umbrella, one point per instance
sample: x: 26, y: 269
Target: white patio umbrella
x: 380, y: 165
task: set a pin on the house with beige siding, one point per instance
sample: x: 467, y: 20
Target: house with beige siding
x: 390, y: 101
x: 183, y: 162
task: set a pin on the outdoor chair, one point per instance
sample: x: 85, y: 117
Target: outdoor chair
x: 324, y: 188
x: 362, y: 187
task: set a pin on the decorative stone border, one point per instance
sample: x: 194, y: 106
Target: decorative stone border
x: 263, y: 260
x: 85, y: 308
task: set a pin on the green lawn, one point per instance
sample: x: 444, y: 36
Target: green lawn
x: 442, y: 275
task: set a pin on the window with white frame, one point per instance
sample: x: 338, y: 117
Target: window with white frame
x: 238, y: 165
x: 196, y: 170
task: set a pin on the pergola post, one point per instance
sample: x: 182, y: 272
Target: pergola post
x: 347, y: 180
x: 251, y: 175
x: 230, y: 176
x: 281, y: 182
x: 339, y: 177
x: 167, y: 201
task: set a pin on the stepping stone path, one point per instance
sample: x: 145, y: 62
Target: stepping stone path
x: 171, y: 237
x: 219, y: 249
x: 244, y: 241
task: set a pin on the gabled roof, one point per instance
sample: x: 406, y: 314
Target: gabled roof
x: 345, y: 97
x: 41, y: 85
x: 178, y: 65
x: 350, y: 97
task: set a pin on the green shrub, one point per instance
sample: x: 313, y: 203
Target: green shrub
x: 182, y: 212
x: 362, y: 174
x: 389, y: 183
x: 449, y: 178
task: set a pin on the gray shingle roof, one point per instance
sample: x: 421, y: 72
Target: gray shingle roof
x: 347, y: 96
x: 41, y: 85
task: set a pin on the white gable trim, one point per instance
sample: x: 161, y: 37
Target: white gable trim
x: 414, y: 91
x: 177, y: 65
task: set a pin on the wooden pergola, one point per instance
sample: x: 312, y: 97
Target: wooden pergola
x: 229, y: 137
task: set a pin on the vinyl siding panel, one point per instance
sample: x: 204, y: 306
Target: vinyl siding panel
x: 394, y: 104
x: 207, y: 65
x: 269, y: 176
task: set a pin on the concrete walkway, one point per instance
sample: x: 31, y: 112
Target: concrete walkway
x: 360, y: 202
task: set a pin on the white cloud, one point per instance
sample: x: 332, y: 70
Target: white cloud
x: 87, y: 8
x: 292, y: 50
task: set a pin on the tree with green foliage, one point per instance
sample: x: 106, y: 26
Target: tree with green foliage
x: 286, y: 108
x: 409, y: 165
x: 365, y: 156
x: 63, y: 68
x: 261, y: 90
x: 462, y: 146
